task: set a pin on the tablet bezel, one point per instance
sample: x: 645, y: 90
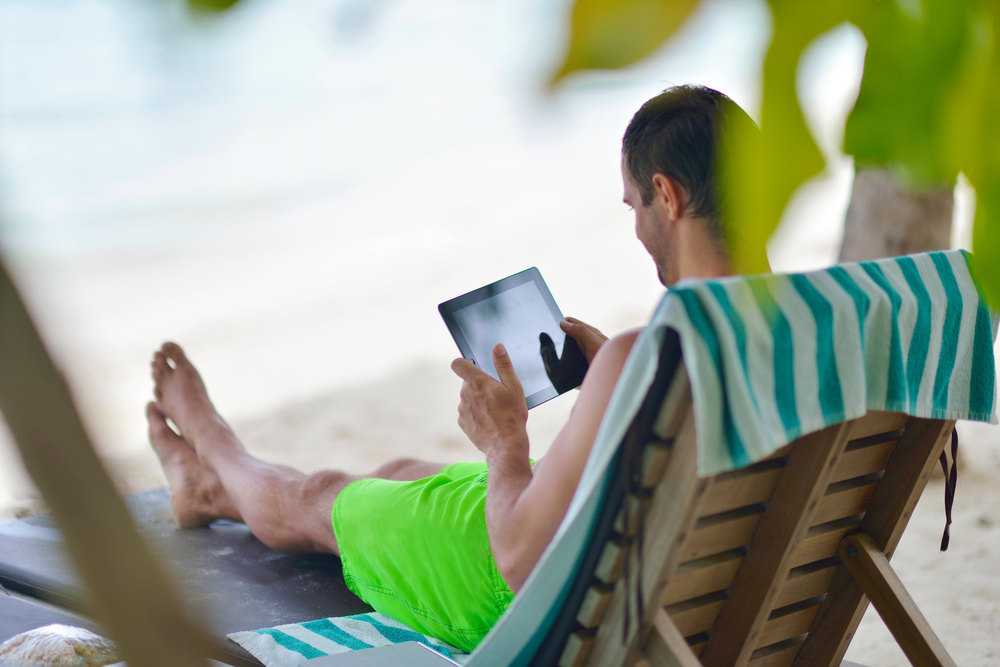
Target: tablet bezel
x: 448, y: 308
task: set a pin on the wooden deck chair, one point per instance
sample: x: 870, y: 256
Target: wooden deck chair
x: 770, y: 565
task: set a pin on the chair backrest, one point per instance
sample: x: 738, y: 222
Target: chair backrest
x: 743, y: 567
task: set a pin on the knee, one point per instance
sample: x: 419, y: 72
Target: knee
x: 321, y: 488
x: 301, y: 520
x: 394, y: 469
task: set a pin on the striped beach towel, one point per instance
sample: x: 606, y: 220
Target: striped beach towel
x: 770, y: 358
x: 288, y: 645
x: 773, y: 357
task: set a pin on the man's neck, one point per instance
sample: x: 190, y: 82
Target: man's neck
x: 696, y: 252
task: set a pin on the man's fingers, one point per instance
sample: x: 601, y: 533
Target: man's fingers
x: 465, y: 369
x: 572, y: 329
x: 578, y: 331
x: 505, y: 367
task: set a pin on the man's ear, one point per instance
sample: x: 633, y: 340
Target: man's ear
x: 670, y: 194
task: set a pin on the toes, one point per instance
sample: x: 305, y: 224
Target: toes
x: 174, y: 352
x: 158, y: 428
x: 157, y: 422
x: 160, y: 363
x: 160, y: 369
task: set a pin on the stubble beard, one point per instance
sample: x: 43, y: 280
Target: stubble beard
x: 663, y: 265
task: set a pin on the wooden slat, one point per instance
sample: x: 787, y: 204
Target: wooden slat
x: 821, y: 542
x: 693, y: 618
x: 666, y: 645
x: 721, y: 536
x: 654, y: 461
x: 577, y: 649
x: 702, y: 577
x: 787, y: 626
x: 889, y: 511
x: 670, y: 420
x: 806, y: 585
x: 877, y: 421
x: 863, y: 461
x: 843, y: 502
x: 672, y: 511
x: 629, y: 516
x: 671, y: 518
x: 732, y: 493
x: 698, y: 648
x: 595, y: 604
x: 610, y: 565
x: 782, y: 658
x: 911, y: 464
x: 806, y: 475
x: 878, y: 580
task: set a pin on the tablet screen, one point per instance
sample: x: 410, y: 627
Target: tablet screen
x: 516, y: 311
x: 514, y: 318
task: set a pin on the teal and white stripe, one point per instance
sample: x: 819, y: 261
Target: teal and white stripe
x: 773, y: 357
x: 288, y: 645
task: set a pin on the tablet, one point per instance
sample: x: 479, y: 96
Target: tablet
x: 519, y: 312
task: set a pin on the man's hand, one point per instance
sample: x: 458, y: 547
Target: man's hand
x: 492, y: 413
x: 587, y: 337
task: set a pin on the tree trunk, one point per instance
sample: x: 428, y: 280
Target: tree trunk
x: 886, y: 219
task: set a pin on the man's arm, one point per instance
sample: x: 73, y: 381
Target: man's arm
x: 523, y: 510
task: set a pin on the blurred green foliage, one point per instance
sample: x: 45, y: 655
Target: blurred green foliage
x: 928, y: 107
x: 616, y: 33
x: 211, y: 6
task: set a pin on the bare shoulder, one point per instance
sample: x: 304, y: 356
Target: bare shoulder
x: 614, y: 352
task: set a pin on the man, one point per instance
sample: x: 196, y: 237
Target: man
x: 445, y: 548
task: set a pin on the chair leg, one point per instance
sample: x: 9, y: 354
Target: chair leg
x: 878, y: 580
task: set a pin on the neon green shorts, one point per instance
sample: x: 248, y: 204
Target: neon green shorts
x: 419, y: 552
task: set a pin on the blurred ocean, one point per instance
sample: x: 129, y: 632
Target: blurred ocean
x: 291, y: 188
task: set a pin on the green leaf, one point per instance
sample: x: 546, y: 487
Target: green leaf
x: 913, y: 62
x: 760, y: 173
x: 610, y: 34
x: 980, y: 152
x: 986, y: 241
x: 211, y: 6
x: 966, y: 116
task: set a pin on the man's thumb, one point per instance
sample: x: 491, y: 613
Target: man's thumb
x: 504, y: 366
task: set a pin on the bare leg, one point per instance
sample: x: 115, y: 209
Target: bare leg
x: 286, y: 509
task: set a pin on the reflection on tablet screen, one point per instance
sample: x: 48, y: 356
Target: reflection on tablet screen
x: 515, y: 318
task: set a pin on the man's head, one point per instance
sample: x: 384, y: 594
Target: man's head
x: 670, y: 167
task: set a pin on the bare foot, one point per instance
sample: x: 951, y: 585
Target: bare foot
x: 196, y: 494
x: 181, y: 394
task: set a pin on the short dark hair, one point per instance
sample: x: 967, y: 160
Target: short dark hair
x: 678, y: 133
